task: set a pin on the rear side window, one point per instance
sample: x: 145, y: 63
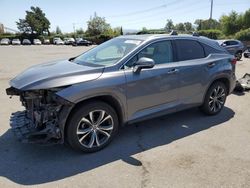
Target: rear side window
x: 210, y: 50
x: 189, y: 49
x: 231, y: 42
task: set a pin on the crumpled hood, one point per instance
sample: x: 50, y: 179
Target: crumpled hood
x: 55, y: 74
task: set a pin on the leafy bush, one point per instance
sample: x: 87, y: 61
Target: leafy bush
x: 211, y: 33
x: 243, y: 35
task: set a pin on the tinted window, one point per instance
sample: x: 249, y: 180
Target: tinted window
x: 210, y: 50
x: 160, y: 52
x: 233, y: 42
x: 189, y: 49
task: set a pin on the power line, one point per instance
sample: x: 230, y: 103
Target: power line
x: 172, y: 11
x: 165, y: 5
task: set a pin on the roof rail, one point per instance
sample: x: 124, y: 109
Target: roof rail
x: 173, y: 32
x: 195, y: 34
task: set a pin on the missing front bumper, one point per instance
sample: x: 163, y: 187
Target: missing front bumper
x: 26, y: 131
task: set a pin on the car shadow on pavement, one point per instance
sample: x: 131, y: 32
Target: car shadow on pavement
x: 27, y: 164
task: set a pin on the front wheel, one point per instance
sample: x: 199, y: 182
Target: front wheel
x: 215, y: 99
x: 92, y: 127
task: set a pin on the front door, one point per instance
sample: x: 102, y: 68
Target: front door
x: 156, y: 89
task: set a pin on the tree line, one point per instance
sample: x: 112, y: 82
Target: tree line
x: 35, y: 24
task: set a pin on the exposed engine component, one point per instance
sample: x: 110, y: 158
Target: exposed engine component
x: 39, y: 123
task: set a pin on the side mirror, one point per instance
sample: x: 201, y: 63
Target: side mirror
x: 143, y: 63
x: 223, y: 44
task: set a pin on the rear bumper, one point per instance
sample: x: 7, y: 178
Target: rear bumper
x: 232, y: 83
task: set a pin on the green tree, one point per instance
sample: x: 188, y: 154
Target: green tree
x: 169, y: 25
x: 180, y: 27
x: 188, y: 26
x: 80, y: 31
x: 246, y: 19
x: 230, y: 24
x: 97, y: 25
x: 121, y: 31
x: 58, y: 30
x: 207, y: 24
x: 35, y: 22
x: 198, y: 23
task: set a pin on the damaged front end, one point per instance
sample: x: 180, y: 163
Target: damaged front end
x: 44, y: 116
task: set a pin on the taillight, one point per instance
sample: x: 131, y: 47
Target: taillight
x: 234, y: 61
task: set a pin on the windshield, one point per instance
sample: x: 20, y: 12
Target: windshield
x: 108, y: 53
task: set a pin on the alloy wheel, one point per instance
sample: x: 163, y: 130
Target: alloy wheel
x: 95, y: 129
x: 217, y: 99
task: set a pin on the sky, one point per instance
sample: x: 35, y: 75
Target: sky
x: 130, y: 14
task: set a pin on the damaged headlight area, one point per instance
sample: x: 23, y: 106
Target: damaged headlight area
x: 40, y: 121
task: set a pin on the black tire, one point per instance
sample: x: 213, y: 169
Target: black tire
x: 91, y: 133
x: 245, y: 55
x: 238, y: 55
x: 214, y: 103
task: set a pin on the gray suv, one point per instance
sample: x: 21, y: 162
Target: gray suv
x: 84, y: 100
x: 234, y: 47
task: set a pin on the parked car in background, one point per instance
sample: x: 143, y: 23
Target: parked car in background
x: 59, y: 42
x: 16, y: 42
x: 69, y: 41
x: 234, y: 47
x: 55, y: 39
x: 5, y: 41
x: 247, y: 52
x: 85, y: 100
x: 82, y: 43
x: 46, y: 41
x: 26, y: 42
x: 37, y: 42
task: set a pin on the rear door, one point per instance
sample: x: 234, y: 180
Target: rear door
x: 194, y: 71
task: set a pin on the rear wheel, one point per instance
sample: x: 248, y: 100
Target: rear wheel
x: 92, y: 127
x: 215, y: 99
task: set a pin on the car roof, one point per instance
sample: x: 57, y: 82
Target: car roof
x: 149, y: 37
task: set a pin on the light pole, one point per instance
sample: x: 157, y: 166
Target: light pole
x: 74, y: 28
x: 211, y: 10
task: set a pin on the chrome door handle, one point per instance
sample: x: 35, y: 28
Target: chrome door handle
x: 173, y: 71
x: 210, y: 65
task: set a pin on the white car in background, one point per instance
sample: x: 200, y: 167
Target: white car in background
x: 16, y: 42
x: 37, y: 42
x: 59, y: 42
x: 55, y: 39
x: 69, y: 41
x: 46, y: 41
x: 5, y: 41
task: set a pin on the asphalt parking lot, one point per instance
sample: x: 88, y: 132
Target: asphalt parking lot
x: 186, y: 149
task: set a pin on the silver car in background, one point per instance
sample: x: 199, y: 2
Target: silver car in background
x: 5, y: 41
x: 16, y: 42
x: 85, y: 99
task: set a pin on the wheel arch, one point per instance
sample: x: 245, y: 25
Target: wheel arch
x: 223, y: 79
x: 109, y: 99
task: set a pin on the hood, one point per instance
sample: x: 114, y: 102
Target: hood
x: 55, y: 74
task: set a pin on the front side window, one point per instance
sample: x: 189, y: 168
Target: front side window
x: 189, y: 49
x: 160, y: 52
x: 108, y: 53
